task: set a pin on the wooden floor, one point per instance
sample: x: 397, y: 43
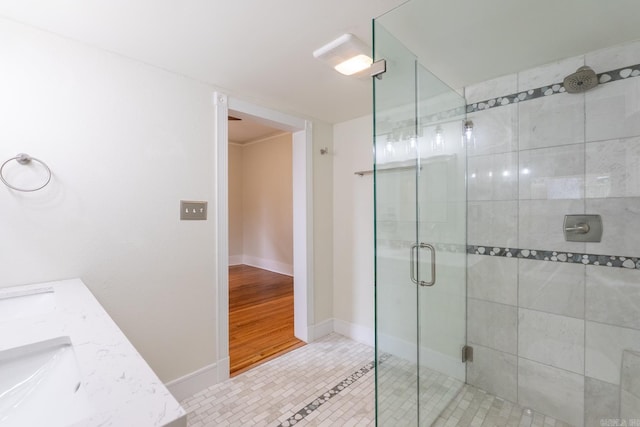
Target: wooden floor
x: 260, y: 317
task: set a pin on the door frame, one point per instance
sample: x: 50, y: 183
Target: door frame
x: 302, y: 171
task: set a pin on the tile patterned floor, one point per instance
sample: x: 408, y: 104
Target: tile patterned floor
x: 330, y: 382
x: 398, y: 381
x: 476, y: 408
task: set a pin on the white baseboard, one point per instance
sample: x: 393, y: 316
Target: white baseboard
x: 449, y: 365
x: 398, y: 347
x: 224, y: 367
x: 359, y: 333
x: 190, y: 384
x: 321, y: 329
x: 267, y: 264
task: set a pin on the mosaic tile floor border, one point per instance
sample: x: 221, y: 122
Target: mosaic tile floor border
x: 271, y: 394
x: 324, y: 397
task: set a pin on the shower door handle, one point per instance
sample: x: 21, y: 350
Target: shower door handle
x: 433, y: 265
x: 412, y: 263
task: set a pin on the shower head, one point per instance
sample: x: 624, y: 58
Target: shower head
x: 582, y: 80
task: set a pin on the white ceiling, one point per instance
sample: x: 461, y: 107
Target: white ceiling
x: 470, y: 41
x: 247, y: 130
x: 261, y: 51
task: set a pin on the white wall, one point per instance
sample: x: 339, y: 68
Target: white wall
x: 236, y: 234
x: 267, y: 204
x: 125, y: 142
x: 323, y: 223
x: 353, y: 228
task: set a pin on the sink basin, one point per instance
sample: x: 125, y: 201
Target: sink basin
x: 21, y: 304
x: 41, y: 385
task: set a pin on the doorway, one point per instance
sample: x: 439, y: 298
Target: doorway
x: 261, y: 291
x: 302, y: 184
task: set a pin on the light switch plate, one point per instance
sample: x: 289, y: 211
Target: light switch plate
x: 193, y: 210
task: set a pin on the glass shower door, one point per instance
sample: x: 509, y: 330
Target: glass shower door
x: 442, y: 209
x: 396, y: 214
x: 420, y: 220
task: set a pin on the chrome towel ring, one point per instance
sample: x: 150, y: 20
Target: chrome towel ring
x: 25, y: 159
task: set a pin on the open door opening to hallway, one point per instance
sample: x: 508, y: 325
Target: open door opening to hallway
x: 261, y: 285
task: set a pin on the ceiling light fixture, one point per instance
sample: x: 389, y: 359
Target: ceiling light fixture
x: 347, y: 54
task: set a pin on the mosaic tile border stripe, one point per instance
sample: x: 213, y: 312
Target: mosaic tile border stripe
x: 552, y: 89
x: 406, y: 128
x: 618, y: 261
x: 632, y: 263
x: 324, y: 398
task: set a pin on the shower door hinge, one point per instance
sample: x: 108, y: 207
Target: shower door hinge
x: 467, y: 354
x: 378, y: 68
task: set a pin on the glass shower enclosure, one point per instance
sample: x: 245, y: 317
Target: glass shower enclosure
x: 420, y: 238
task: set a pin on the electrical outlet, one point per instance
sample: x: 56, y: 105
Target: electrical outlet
x: 193, y: 210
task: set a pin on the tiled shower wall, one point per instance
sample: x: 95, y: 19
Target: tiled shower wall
x: 548, y: 319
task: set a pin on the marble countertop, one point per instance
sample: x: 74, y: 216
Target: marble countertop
x: 122, y: 389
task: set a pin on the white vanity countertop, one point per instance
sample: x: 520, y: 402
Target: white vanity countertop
x: 122, y: 389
